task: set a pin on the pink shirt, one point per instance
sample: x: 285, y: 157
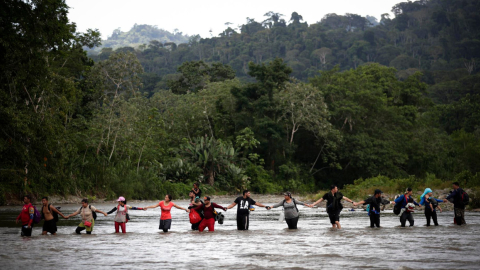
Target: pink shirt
x: 165, y: 210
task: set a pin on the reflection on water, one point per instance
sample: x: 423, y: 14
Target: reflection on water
x: 268, y: 244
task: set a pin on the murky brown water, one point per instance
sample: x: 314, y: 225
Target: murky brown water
x: 267, y: 245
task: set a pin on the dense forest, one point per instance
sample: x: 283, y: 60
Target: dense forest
x: 272, y: 106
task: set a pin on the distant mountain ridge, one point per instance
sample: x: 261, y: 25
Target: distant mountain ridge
x: 139, y: 35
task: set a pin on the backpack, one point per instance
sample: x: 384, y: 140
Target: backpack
x: 37, y: 217
x: 433, y: 202
x: 54, y: 214
x: 465, y: 198
x: 194, y: 216
x: 94, y: 214
x: 398, y: 207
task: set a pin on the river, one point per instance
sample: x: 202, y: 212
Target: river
x: 267, y: 245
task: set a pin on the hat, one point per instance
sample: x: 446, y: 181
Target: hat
x: 121, y: 199
x: 206, y: 198
x: 287, y: 194
x: 378, y: 191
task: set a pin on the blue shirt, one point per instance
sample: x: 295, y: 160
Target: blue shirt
x: 404, y: 202
x: 427, y: 203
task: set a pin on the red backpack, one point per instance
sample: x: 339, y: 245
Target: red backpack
x: 194, y: 216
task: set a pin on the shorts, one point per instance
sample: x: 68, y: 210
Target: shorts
x: 165, y: 224
x: 334, y: 216
x: 50, y: 226
x: 89, y: 229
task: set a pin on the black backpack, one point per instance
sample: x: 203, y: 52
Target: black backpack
x: 94, y: 214
x: 54, y: 214
x: 398, y: 207
x: 433, y: 202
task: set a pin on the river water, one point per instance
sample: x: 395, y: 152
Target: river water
x: 267, y: 245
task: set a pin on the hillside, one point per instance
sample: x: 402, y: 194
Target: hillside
x: 138, y: 37
x: 437, y: 37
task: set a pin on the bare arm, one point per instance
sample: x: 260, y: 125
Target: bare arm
x: 347, y: 199
x: 152, y: 206
x: 179, y: 207
x: 56, y: 211
x: 360, y: 202
x: 259, y: 204
x: 100, y: 211
x: 317, y: 202
x: 231, y: 205
x: 74, y: 213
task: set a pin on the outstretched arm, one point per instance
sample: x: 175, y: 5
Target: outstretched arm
x: 152, y: 206
x: 317, y: 202
x: 111, y: 211
x: 259, y: 204
x: 135, y: 208
x: 74, y: 213
x: 100, y: 211
x: 347, y: 199
x: 358, y: 203
x: 231, y: 205
x: 219, y: 206
x: 179, y: 207
x: 56, y: 211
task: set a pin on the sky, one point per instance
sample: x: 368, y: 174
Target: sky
x: 199, y: 17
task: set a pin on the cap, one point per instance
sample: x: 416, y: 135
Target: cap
x: 287, y: 194
x: 378, y: 191
x: 206, y: 198
x: 121, y: 199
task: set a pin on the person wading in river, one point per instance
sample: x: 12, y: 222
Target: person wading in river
x: 209, y: 214
x: 334, y: 205
x: 121, y: 217
x: 290, y: 208
x: 50, y: 224
x: 86, y: 212
x: 26, y: 216
x: 243, y: 210
x: 403, y: 200
x: 374, y: 203
x: 458, y: 204
x: 165, y: 217
x: 194, y: 202
x: 431, y: 205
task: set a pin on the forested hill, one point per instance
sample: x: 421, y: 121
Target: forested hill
x: 441, y: 38
x: 138, y: 37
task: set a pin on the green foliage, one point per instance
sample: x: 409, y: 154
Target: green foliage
x: 361, y: 188
x: 213, y: 156
x: 195, y: 75
x: 181, y: 171
x: 72, y: 126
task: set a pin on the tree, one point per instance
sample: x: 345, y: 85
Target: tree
x: 195, y: 75
x: 322, y: 54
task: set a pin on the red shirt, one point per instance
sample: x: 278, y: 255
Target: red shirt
x: 165, y: 210
x: 208, y: 211
x: 24, y: 216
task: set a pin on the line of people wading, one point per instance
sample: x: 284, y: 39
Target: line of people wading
x: 203, y: 214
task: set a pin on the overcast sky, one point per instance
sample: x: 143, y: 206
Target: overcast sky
x: 199, y: 17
